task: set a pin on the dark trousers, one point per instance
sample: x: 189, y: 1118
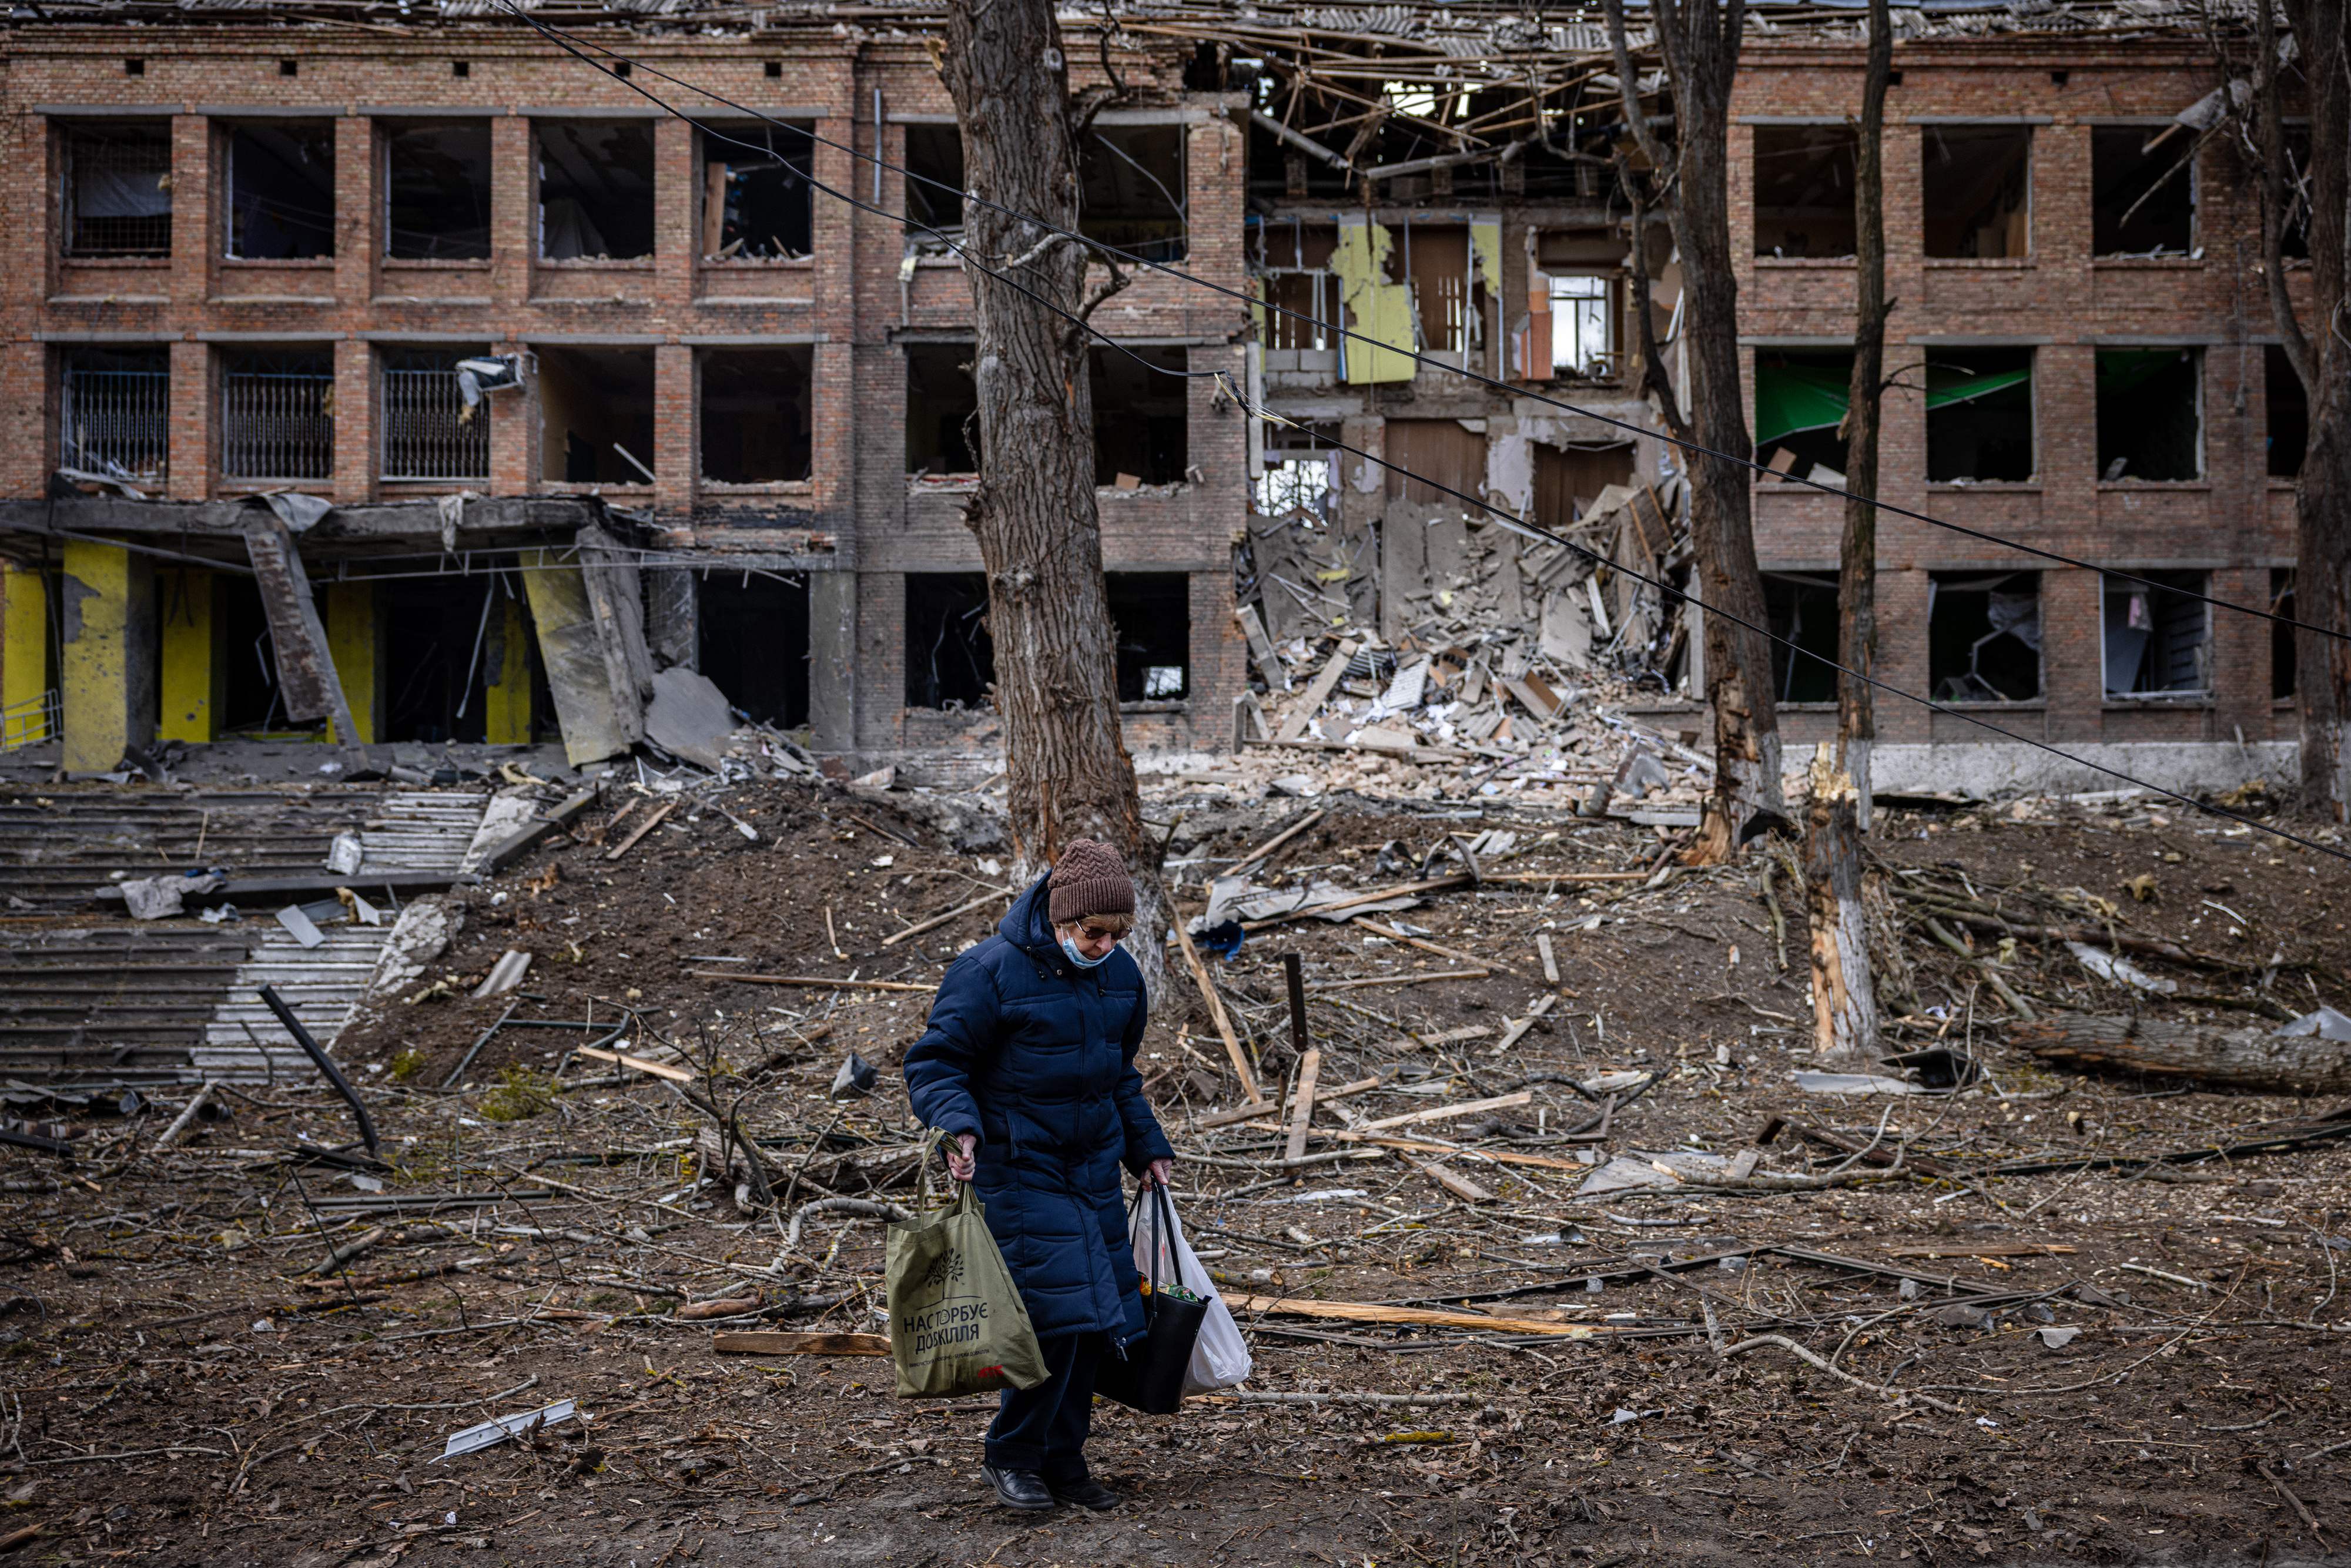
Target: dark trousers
x: 1044, y: 1428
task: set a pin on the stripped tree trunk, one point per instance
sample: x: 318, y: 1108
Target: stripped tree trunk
x: 1857, y: 584
x: 2252, y: 1058
x: 1033, y: 512
x: 1844, y: 1001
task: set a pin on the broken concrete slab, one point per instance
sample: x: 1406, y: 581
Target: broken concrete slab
x: 598, y: 721
x: 305, y: 669
x: 689, y: 716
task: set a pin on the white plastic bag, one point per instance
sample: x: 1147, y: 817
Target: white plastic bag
x: 1220, y: 1357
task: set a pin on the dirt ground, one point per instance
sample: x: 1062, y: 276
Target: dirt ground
x: 2134, y: 1364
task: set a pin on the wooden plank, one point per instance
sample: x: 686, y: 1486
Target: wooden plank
x: 658, y: 1069
x: 1318, y: 691
x: 814, y: 982
x: 1430, y: 1317
x: 1275, y: 842
x: 1453, y: 1181
x: 1231, y: 1114
x: 1302, y: 1111
x: 647, y: 826
x: 1393, y: 935
x: 935, y: 921
x: 1260, y: 647
x: 784, y: 1341
x: 1216, y: 1011
x: 1449, y: 1112
x: 1518, y: 1025
x: 1549, y: 959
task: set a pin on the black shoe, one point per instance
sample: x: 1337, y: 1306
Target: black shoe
x: 1087, y: 1492
x: 1023, y: 1490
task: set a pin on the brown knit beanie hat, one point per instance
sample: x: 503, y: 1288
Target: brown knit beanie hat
x: 1090, y: 880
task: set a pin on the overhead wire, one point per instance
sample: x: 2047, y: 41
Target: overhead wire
x: 1506, y: 519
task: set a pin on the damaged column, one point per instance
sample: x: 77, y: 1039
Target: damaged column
x: 305, y: 667
x: 109, y: 645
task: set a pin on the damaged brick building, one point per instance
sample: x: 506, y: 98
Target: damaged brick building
x: 545, y: 352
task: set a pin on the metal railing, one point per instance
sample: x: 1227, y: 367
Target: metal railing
x: 428, y: 431
x: 278, y: 422
x: 115, y: 422
x: 31, y: 722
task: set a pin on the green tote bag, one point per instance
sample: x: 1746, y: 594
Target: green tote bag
x: 957, y: 1322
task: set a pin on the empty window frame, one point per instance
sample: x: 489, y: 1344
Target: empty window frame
x: 1301, y: 474
x: 2150, y: 414
x: 429, y: 432
x: 1584, y: 314
x: 1803, y: 608
x: 756, y: 198
x: 2281, y: 671
x: 1800, y: 398
x: 595, y: 189
x: 114, y: 412
x: 2294, y: 238
x: 117, y: 190
x: 2157, y: 643
x: 1151, y: 616
x: 278, y: 416
x: 1977, y: 182
x: 281, y: 193
x: 436, y: 191
x: 2289, y: 406
x: 2142, y: 190
x: 1131, y: 188
x: 1983, y: 636
x: 1980, y: 416
x: 950, y: 658
x: 942, y: 409
x: 596, y: 411
x: 755, y: 414
x: 1140, y: 424
x: 933, y: 180
x: 753, y: 631
x: 1434, y: 262
x: 1803, y: 190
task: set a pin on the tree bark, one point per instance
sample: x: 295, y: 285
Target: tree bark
x: 1844, y: 999
x: 1033, y: 512
x: 2241, y: 1058
x: 1699, y: 44
x: 1858, y: 556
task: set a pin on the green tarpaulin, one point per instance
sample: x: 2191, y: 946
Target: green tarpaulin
x: 1791, y: 398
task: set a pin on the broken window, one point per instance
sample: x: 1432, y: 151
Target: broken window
x: 278, y: 416
x: 436, y: 185
x: 281, y: 192
x: 1568, y: 480
x: 595, y: 189
x: 950, y: 658
x: 1294, y: 274
x: 1983, y: 636
x: 1151, y: 616
x: 2156, y: 642
x: 2150, y: 414
x: 114, y: 412
x: 1437, y: 264
x: 1800, y: 398
x: 117, y: 189
x: 1977, y: 185
x: 596, y: 411
x: 2289, y: 405
x: 1139, y: 425
x: 756, y: 418
x: 933, y: 180
x: 942, y: 409
x: 754, y: 642
x: 1131, y: 188
x: 2281, y: 634
x: 2294, y: 235
x: 2142, y: 190
x: 436, y: 639
x: 1582, y: 326
x: 1980, y: 416
x: 430, y: 431
x: 755, y: 199
x: 1301, y: 472
x: 1803, y: 608
x: 1803, y: 190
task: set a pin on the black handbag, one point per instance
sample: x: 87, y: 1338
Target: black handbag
x: 1150, y: 1374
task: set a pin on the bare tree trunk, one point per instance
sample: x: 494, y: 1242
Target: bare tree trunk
x: 1845, y: 1008
x: 1039, y: 535
x: 1699, y: 44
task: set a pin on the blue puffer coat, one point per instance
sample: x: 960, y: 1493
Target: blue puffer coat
x: 1036, y: 1057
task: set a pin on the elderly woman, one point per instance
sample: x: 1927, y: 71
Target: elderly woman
x: 1027, y: 1065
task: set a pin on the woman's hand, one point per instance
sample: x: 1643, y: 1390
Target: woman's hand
x: 960, y: 1163
x: 1162, y: 1172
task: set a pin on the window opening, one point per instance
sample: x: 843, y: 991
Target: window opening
x: 2150, y: 414
x: 595, y: 189
x: 1301, y: 472
x: 1803, y: 608
x: 114, y: 412
x: 755, y: 414
x: 118, y: 191
x: 429, y: 430
x: 2289, y: 406
x: 756, y: 206
x: 1980, y: 416
x: 281, y: 193
x: 936, y: 153
x: 596, y: 407
x: 1583, y: 327
x: 1131, y: 188
x: 1978, y: 190
x: 1569, y: 480
x: 250, y: 698
x: 435, y: 636
x: 942, y: 409
x: 1801, y: 400
x: 2281, y: 671
x: 437, y: 191
x: 2142, y: 192
x: 278, y: 416
x: 950, y: 658
x: 1803, y: 190
x: 2155, y: 642
x: 1140, y: 424
x: 754, y: 642
x: 1151, y: 616
x: 1983, y: 636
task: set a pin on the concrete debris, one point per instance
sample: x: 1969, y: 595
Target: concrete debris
x: 421, y: 934
x: 344, y: 854
x: 158, y: 897
x: 504, y: 975
x: 689, y: 716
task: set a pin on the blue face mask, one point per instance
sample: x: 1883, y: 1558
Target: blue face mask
x: 1079, y: 959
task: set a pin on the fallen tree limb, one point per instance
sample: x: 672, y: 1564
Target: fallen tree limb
x: 785, y: 1341
x: 2240, y: 1058
x: 1430, y: 1317
x: 1880, y: 1389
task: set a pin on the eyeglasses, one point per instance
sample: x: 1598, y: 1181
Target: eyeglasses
x: 1094, y: 931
